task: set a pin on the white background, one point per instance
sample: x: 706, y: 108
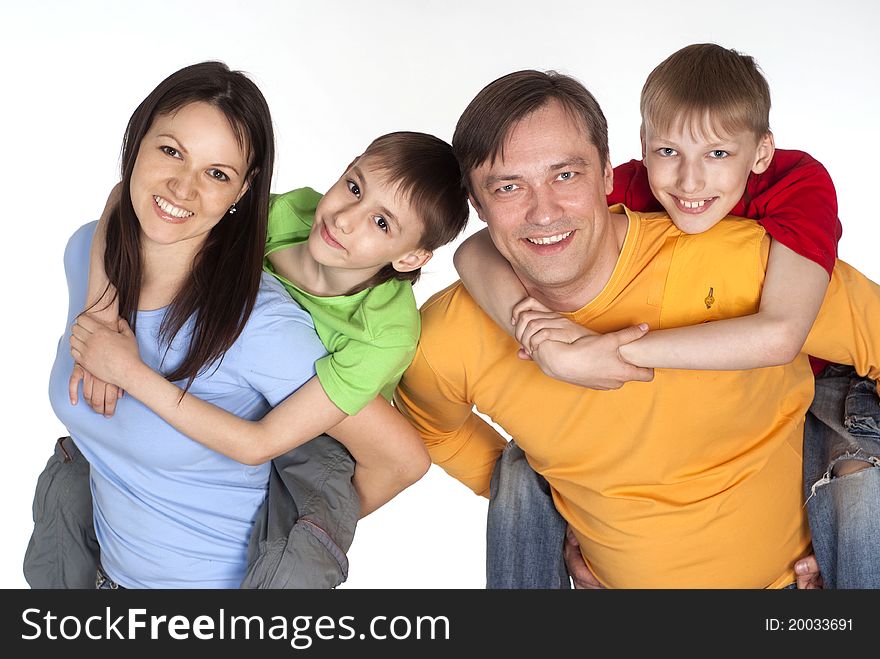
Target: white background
x: 336, y: 75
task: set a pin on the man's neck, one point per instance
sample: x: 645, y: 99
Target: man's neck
x: 603, y: 259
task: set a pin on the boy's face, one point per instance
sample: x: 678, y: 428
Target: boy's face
x: 364, y: 223
x: 699, y: 175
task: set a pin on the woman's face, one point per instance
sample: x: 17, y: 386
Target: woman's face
x: 189, y: 170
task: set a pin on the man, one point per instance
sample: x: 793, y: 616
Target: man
x: 665, y: 483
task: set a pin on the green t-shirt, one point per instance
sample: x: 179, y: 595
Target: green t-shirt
x: 370, y: 336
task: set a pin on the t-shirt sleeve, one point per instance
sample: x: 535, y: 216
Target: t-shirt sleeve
x: 457, y: 439
x: 279, y: 348
x: 796, y: 202
x: 845, y: 332
x: 291, y: 216
x: 361, y: 370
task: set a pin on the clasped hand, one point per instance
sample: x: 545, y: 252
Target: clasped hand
x: 572, y: 353
x: 103, y: 356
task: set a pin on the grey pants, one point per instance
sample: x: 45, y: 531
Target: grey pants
x: 300, y: 537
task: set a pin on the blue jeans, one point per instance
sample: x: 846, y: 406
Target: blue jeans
x: 525, y: 533
x: 844, y: 424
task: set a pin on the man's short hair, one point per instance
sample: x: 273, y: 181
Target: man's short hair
x: 715, y: 88
x: 484, y: 124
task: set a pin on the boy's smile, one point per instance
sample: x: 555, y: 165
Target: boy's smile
x: 698, y: 175
x: 364, y: 223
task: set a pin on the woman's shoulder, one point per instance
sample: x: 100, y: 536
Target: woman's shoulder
x: 274, y: 302
x: 278, y: 329
x: 76, y: 252
x: 82, y: 237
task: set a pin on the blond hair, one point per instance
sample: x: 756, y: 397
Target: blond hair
x: 715, y: 90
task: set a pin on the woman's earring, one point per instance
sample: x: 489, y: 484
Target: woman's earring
x: 232, y: 209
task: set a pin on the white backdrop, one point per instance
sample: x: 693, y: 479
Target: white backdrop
x: 336, y: 75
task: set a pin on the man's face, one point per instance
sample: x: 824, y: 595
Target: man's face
x: 544, y: 201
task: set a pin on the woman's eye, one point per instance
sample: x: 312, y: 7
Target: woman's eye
x: 218, y: 175
x: 170, y: 151
x: 381, y: 222
x: 353, y: 188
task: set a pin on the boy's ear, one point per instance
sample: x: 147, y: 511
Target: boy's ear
x: 476, y: 205
x: 642, y: 140
x: 764, y: 155
x: 413, y: 260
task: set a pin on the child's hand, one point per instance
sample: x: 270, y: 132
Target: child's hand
x: 100, y: 395
x: 593, y: 361
x: 535, y: 324
x: 107, y: 354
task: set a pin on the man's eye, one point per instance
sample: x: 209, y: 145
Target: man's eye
x: 217, y: 175
x: 566, y: 176
x: 718, y: 153
x: 510, y: 187
x: 353, y: 188
x: 170, y: 151
x: 381, y: 222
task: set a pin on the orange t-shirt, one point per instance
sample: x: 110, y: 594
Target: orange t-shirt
x: 690, y: 481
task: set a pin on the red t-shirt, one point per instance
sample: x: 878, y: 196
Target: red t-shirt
x: 794, y: 199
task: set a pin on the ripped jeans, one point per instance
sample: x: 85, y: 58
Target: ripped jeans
x: 844, y: 511
x: 525, y: 533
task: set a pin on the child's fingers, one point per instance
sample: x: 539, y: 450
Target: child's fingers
x: 527, y: 320
x: 110, y: 397
x: 79, y: 332
x: 639, y: 374
x: 630, y: 334
x: 96, y: 395
x: 526, y: 304
x: 124, y: 328
x: 548, y: 333
x: 88, y: 387
x: 88, y: 323
x: 80, y: 345
x: 75, y: 377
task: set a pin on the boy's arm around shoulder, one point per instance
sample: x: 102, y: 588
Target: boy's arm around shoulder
x: 489, y: 278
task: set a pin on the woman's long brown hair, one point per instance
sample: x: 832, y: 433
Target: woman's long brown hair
x: 221, y: 290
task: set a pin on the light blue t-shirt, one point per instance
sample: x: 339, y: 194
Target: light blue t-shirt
x: 170, y: 513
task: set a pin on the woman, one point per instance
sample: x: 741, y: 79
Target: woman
x: 184, y: 249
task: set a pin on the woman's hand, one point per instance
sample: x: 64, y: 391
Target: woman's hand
x: 108, y: 354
